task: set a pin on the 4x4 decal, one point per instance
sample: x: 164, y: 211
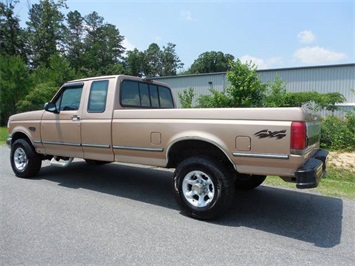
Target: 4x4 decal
x: 265, y: 133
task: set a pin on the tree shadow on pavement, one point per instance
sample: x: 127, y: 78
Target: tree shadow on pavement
x: 142, y: 184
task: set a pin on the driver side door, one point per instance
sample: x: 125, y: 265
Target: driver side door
x: 61, y: 129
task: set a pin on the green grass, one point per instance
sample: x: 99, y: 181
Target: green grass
x: 337, y: 183
x: 3, y: 135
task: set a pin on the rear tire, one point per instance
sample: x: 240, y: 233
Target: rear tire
x: 25, y: 162
x: 203, y: 187
x: 249, y: 182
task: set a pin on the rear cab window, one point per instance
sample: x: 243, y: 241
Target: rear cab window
x: 145, y: 95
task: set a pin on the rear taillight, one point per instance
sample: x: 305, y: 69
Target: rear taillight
x: 298, y: 135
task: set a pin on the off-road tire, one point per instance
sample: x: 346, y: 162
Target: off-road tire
x: 25, y: 162
x: 203, y: 187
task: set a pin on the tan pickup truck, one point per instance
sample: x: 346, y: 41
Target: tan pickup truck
x: 132, y: 120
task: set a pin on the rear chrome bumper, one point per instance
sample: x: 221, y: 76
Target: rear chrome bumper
x: 309, y: 175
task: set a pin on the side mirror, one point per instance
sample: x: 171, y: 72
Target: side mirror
x: 50, y: 107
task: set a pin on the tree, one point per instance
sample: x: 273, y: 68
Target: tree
x: 74, y: 35
x: 46, y: 82
x: 216, y: 100
x: 152, y: 63
x: 37, y: 97
x: 276, y: 95
x: 245, y: 90
x: 170, y: 61
x: 11, y: 35
x: 94, y: 22
x: 330, y: 100
x: 45, y: 31
x: 102, y: 45
x: 210, y: 62
x: 58, y: 72
x: 111, y: 41
x: 14, y: 84
x: 134, y: 63
x: 297, y: 99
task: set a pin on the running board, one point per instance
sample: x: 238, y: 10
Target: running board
x: 56, y: 161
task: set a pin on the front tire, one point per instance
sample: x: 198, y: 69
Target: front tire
x: 203, y: 187
x: 25, y: 162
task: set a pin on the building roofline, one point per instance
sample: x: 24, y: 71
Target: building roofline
x: 258, y: 70
x: 191, y: 75
x: 307, y: 67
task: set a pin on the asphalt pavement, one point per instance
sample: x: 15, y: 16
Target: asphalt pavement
x: 123, y: 215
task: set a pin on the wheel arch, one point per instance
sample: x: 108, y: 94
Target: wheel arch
x: 20, y: 135
x: 188, y: 147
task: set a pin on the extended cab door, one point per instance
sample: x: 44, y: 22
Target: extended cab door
x: 96, y: 120
x: 136, y: 137
x: 61, y: 129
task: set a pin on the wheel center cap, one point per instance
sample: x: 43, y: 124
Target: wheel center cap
x: 197, y: 188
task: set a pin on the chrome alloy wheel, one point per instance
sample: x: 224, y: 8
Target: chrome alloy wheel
x: 198, y: 189
x: 20, y: 159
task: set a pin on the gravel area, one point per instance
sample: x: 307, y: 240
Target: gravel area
x: 344, y: 160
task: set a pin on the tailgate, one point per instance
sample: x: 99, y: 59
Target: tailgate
x: 313, y: 125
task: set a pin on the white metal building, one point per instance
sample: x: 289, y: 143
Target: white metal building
x: 323, y: 79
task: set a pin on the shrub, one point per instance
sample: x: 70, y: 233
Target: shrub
x: 339, y: 133
x: 186, y: 98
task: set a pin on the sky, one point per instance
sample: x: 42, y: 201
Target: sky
x: 270, y: 33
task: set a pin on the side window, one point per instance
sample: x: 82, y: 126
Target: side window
x: 130, y: 93
x: 154, y: 96
x: 166, y: 100
x: 69, y: 99
x: 145, y: 95
x: 98, y: 96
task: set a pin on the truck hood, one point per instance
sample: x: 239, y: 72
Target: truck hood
x: 27, y: 116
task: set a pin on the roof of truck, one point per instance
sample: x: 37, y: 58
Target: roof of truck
x: 118, y: 77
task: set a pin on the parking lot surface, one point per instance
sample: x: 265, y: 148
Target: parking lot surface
x: 125, y: 215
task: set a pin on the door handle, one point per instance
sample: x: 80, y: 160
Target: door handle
x: 75, y: 118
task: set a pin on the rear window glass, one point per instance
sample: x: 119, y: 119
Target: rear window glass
x: 145, y: 95
x: 130, y: 93
x: 165, y: 98
x: 154, y: 96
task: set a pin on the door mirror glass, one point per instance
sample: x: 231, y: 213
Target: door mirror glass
x: 51, y: 107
